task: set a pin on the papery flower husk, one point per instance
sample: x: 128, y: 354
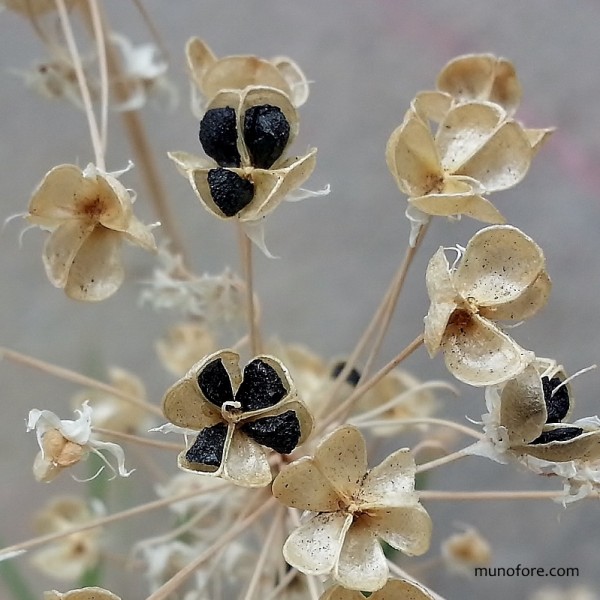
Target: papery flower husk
x: 584, y: 447
x: 88, y: 593
x: 394, y: 589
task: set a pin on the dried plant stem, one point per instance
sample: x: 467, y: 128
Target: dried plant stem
x: 493, y: 495
x: 181, y: 577
x: 125, y: 514
x: 75, y: 377
x: 418, y: 421
x: 341, y: 412
x: 136, y: 439
x: 267, y: 546
x: 285, y: 581
x: 103, y: 68
x: 82, y: 83
x: 248, y: 270
x: 444, y: 460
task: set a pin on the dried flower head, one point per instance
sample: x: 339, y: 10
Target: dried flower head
x: 501, y: 276
x: 88, y: 593
x: 211, y: 75
x: 89, y: 213
x: 64, y: 443
x: 237, y: 416
x: 394, y: 589
x: 70, y: 557
x: 354, y: 508
x: 465, y: 550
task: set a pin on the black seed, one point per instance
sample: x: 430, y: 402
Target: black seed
x: 562, y: 434
x: 215, y: 384
x: 352, y: 378
x: 218, y: 136
x: 230, y: 192
x: 281, y: 433
x: 261, y: 386
x: 557, y: 405
x: 266, y: 133
x: 208, y: 447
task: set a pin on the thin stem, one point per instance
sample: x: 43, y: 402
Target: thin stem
x: 419, y: 421
x: 82, y: 83
x: 125, y: 514
x: 136, y: 439
x: 75, y: 377
x: 101, y: 51
x: 252, y: 316
x: 438, y: 462
x: 493, y: 495
x: 181, y: 577
x: 285, y: 581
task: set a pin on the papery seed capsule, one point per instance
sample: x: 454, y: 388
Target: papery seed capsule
x: 261, y: 386
x: 230, y: 192
x: 266, y: 133
x: 218, y: 136
x: 561, y: 434
x: 352, y: 378
x: 215, y: 384
x: 557, y: 403
x: 208, y: 447
x: 281, y: 432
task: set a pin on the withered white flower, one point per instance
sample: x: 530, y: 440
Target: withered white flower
x: 88, y: 593
x: 70, y: 557
x: 354, y: 508
x: 394, y: 589
x: 476, y: 150
x: 211, y: 75
x: 237, y: 415
x: 500, y: 276
x: 88, y: 213
x: 465, y: 550
x: 64, y: 443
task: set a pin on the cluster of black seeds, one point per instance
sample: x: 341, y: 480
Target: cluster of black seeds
x: 208, y: 447
x: 562, y: 434
x: 557, y: 403
x: 266, y: 132
x: 281, y: 433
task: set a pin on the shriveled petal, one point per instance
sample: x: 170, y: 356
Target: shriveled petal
x: 302, y: 485
x: 245, y: 462
x: 97, y: 270
x: 522, y: 407
x: 342, y: 458
x: 478, y: 353
x: 362, y: 564
x: 407, y: 528
x: 62, y: 246
x: 412, y: 157
x: 110, y: 204
x: 186, y: 162
x: 466, y: 128
x: 390, y: 483
x: 432, y: 105
x: 538, y: 137
x: 482, y: 77
x: 502, y: 161
x: 295, y: 79
x: 138, y: 234
x: 88, y: 593
x: 499, y: 264
x: 526, y: 305
x: 314, y: 547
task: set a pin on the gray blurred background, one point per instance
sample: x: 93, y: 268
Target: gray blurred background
x: 366, y: 60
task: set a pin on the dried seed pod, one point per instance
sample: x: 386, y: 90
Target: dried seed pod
x: 266, y: 134
x: 230, y: 192
x: 560, y: 434
x: 279, y: 432
x: 261, y: 387
x: 208, y: 447
x: 218, y: 136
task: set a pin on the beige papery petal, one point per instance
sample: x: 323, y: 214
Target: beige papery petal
x: 443, y: 300
x: 361, y: 564
x: 412, y: 157
x: 186, y: 162
x: 200, y: 58
x: 406, y: 528
x: 394, y: 589
x: 478, y: 353
x: 538, y: 137
x: 89, y: 593
x: 525, y: 306
x: 499, y: 264
x: 342, y: 458
x: 138, y: 234
x: 302, y: 485
x: 481, y: 77
x: 97, y: 271
x: 245, y: 462
x: 432, y: 105
x: 391, y: 483
x: 314, y: 547
x: 294, y: 77
x: 110, y: 203
x: 522, y: 407
x: 584, y: 447
x: 458, y: 197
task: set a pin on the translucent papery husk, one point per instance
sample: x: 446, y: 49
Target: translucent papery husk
x: 187, y: 162
x: 538, y: 137
x: 88, y: 593
x: 295, y: 78
x: 479, y: 354
x: 498, y: 266
x: 522, y: 407
x: 270, y: 186
x: 481, y: 77
x: 584, y: 447
x: 432, y: 105
x: 394, y: 589
x: 245, y: 461
x: 458, y: 196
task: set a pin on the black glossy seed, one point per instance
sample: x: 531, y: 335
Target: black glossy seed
x: 562, y: 434
x: 352, y: 378
x: 281, y: 433
x: 218, y: 136
x: 208, y: 447
x: 261, y: 387
x: 229, y: 191
x: 215, y: 384
x: 557, y: 405
x: 266, y: 133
